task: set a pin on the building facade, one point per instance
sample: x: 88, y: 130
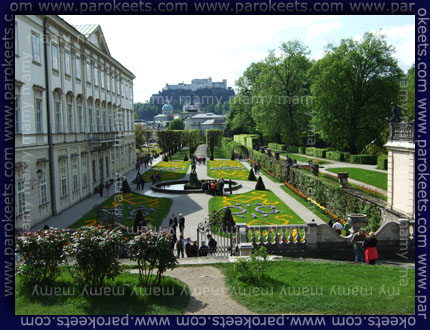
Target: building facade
x: 74, y: 121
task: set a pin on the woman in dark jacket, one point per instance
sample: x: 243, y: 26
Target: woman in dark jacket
x: 371, y: 254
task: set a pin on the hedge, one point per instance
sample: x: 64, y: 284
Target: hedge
x: 327, y: 194
x: 229, y: 146
x: 316, y: 152
x: 333, y: 198
x: 302, y: 150
x: 383, y: 162
x: 292, y: 149
x: 337, y: 155
x: 246, y: 140
x: 276, y: 146
x: 363, y: 159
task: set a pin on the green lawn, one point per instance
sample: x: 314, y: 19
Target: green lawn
x: 172, y: 170
x: 377, y: 179
x: 308, y: 287
x: 126, y: 297
x: 247, y: 202
x: 227, y: 169
x: 181, y: 154
x: 304, y: 159
x: 154, y: 209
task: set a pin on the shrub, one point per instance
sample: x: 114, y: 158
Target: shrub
x: 363, y: 159
x: 185, y: 158
x: 292, y: 149
x: 383, y: 162
x: 260, y: 184
x: 302, y: 150
x: 316, y: 152
x: 276, y: 146
x: 125, y: 187
x: 251, y: 271
x: 95, y: 250
x: 232, y: 156
x: 228, y: 224
x: 41, y: 255
x: 152, y: 252
x: 337, y: 155
x: 251, y: 176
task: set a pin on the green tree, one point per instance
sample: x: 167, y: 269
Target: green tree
x: 176, y: 124
x: 213, y: 139
x: 353, y: 87
x: 141, y: 134
x: 410, y: 102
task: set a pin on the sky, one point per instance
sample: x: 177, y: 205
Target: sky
x: 173, y: 49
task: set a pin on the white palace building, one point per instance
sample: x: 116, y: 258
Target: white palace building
x: 74, y: 120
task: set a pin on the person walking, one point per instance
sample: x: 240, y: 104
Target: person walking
x: 188, y: 247
x: 371, y: 253
x: 173, y: 223
x: 357, y: 241
x: 138, y: 181
x: 101, y: 187
x: 181, y: 223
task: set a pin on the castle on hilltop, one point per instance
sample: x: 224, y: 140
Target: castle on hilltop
x: 197, y: 84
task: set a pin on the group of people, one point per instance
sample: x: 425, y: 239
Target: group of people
x: 104, y: 187
x: 191, y: 249
x: 156, y: 178
x: 140, y: 182
x: 186, y: 246
x: 201, y: 160
x: 364, y: 245
x: 145, y: 160
x: 215, y: 187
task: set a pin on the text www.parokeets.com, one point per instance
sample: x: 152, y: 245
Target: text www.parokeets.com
x: 114, y: 6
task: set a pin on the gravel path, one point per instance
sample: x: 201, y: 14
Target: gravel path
x: 208, y: 291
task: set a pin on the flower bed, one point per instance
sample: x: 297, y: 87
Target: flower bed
x: 319, y: 206
x: 227, y: 169
x: 125, y: 207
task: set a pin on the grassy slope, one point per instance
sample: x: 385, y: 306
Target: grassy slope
x: 307, y: 287
x: 377, y: 179
x: 126, y: 301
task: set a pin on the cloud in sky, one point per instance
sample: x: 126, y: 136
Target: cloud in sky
x: 172, y: 49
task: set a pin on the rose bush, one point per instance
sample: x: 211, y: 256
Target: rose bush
x: 41, y: 254
x: 152, y: 252
x: 95, y: 252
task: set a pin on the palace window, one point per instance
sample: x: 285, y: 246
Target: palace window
x: 54, y: 52
x: 63, y: 177
x: 20, y: 196
x: 35, y: 43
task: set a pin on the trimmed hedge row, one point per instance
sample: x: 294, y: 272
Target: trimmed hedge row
x: 333, y: 198
x: 276, y: 146
x: 326, y: 194
x: 383, y: 162
x: 246, y: 140
x: 229, y: 145
x: 316, y: 152
x: 337, y: 155
x: 363, y: 159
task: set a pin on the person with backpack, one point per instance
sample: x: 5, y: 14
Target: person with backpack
x: 180, y: 245
x: 211, y: 243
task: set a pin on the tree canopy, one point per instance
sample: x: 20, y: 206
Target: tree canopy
x: 176, y: 124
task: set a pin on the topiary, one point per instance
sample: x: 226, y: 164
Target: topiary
x: 125, y: 187
x: 260, y: 184
x: 232, y: 156
x: 251, y: 176
x: 228, y: 224
x: 186, y: 158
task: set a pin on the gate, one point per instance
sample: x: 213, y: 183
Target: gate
x: 225, y: 241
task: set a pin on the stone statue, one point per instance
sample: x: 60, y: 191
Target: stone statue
x: 396, y: 117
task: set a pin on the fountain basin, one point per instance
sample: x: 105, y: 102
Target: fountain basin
x: 178, y: 187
